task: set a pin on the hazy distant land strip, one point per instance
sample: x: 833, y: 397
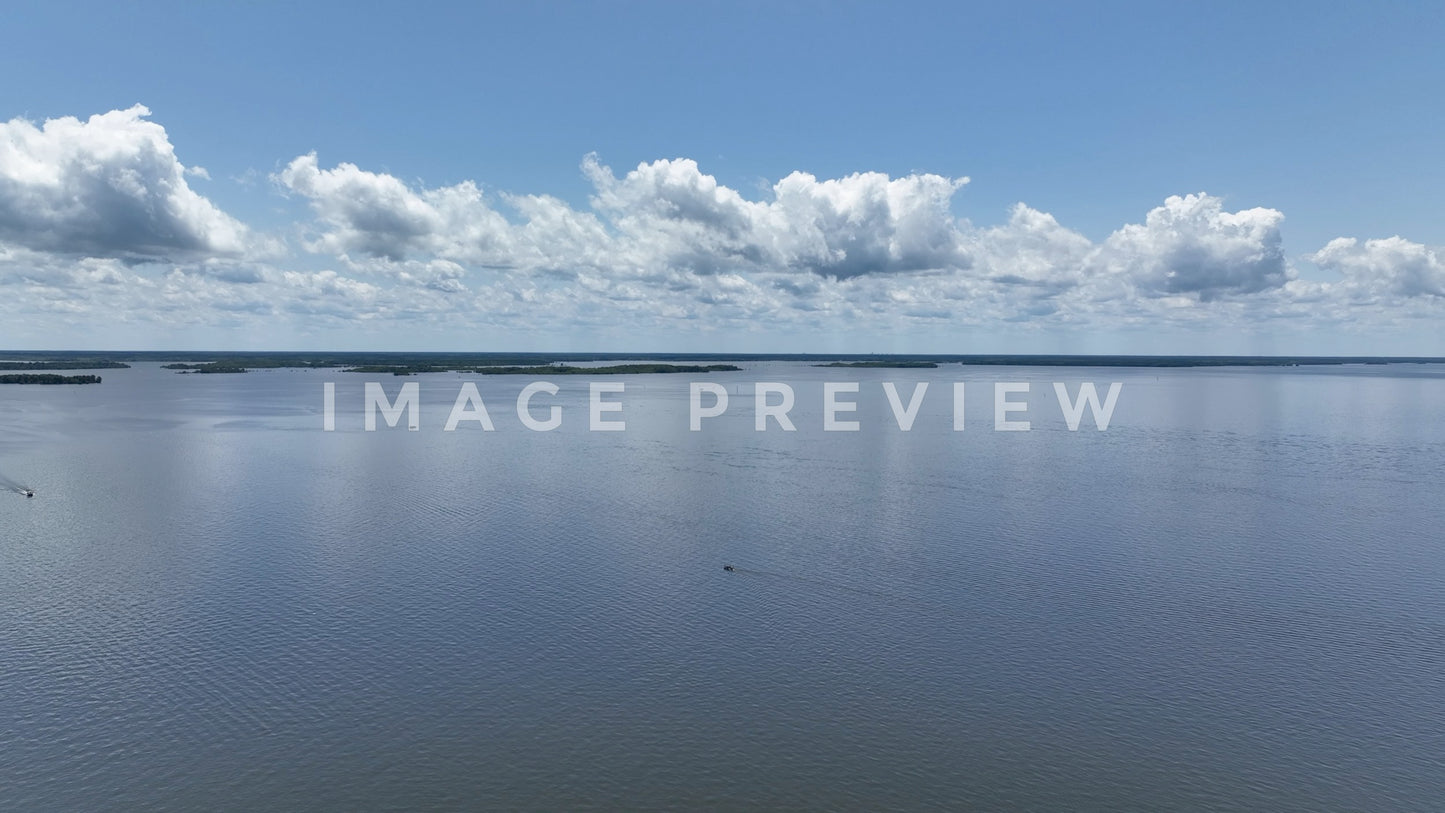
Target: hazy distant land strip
x: 405, y: 363
x: 548, y: 369
x: 64, y: 364
x: 899, y: 364
x: 43, y: 378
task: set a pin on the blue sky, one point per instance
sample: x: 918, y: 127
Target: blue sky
x: 1092, y: 117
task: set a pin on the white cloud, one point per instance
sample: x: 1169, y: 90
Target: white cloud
x: 668, y: 240
x: 1032, y: 253
x: 1392, y: 267
x: 666, y: 215
x: 97, y: 217
x: 1190, y: 245
x: 669, y: 222
x: 867, y: 223
x: 377, y: 215
x: 110, y: 186
x: 670, y: 213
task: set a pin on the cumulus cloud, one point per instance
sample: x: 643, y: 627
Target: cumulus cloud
x: 1032, y: 249
x: 1190, y: 245
x: 110, y: 186
x: 865, y: 223
x: 99, y: 213
x: 1389, y: 267
x: 668, y: 239
x: 377, y: 215
x: 668, y: 217
x: 664, y: 215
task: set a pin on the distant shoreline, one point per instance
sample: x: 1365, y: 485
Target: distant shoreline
x: 886, y: 363
x: 423, y: 362
x: 47, y: 379
x: 86, y: 363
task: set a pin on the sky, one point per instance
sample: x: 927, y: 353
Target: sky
x: 724, y: 177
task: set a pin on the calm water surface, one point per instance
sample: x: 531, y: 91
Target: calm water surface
x: 1230, y: 600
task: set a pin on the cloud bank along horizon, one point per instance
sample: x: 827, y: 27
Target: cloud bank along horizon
x: 100, y: 224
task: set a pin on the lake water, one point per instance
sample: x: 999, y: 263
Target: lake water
x: 1230, y: 600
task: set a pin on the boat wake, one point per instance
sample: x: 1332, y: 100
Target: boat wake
x: 6, y: 484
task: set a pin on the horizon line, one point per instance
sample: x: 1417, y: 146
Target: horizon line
x: 606, y: 355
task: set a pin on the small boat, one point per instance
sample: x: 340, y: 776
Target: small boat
x: 29, y: 492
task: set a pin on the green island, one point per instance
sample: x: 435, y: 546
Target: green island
x: 66, y: 364
x: 43, y: 378
x: 904, y: 364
